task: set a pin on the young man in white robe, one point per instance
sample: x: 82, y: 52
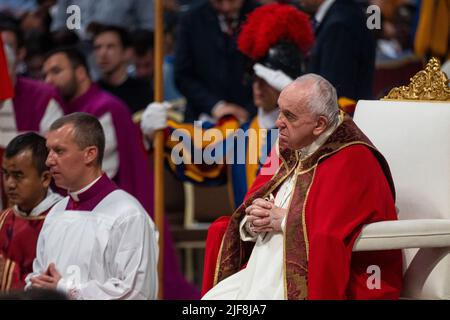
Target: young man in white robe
x: 27, y: 180
x: 98, y: 242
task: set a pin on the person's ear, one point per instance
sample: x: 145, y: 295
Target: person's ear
x: 90, y: 154
x: 321, y: 126
x: 46, y: 178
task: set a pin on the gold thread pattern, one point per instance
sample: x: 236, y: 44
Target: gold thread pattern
x: 430, y: 84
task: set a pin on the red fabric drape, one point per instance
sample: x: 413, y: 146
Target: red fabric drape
x: 6, y: 87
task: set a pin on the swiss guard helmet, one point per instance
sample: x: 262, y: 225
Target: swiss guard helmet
x: 277, y: 38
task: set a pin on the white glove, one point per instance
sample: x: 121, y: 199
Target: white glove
x: 275, y: 78
x: 154, y: 117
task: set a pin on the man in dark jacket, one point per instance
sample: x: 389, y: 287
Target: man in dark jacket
x: 344, y: 52
x: 209, y: 69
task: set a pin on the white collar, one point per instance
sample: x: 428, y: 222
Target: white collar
x: 266, y: 120
x: 42, y: 207
x: 313, y: 147
x: 322, y: 11
x: 74, y: 195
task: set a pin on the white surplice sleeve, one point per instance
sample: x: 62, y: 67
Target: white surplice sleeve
x: 131, y: 255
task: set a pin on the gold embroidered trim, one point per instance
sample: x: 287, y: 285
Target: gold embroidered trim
x: 304, y: 215
x: 219, y: 257
x: 6, y: 271
x: 10, y: 276
x: 284, y: 241
x: 3, y: 217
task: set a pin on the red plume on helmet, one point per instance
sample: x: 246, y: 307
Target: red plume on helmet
x: 269, y: 24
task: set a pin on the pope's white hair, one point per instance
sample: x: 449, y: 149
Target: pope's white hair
x: 321, y: 95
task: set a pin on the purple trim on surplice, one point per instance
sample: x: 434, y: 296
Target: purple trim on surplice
x: 90, y: 198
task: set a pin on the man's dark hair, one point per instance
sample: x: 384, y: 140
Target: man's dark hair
x: 99, y: 29
x: 75, y: 56
x: 33, y: 142
x: 65, y: 38
x: 142, y: 41
x: 88, y: 131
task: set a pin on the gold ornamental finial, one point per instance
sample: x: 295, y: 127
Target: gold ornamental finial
x: 430, y: 84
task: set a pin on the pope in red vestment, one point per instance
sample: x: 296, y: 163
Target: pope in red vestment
x: 342, y: 185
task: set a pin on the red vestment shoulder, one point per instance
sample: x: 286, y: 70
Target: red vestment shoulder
x: 349, y: 190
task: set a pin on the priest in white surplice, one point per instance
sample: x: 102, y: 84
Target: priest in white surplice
x: 99, y: 242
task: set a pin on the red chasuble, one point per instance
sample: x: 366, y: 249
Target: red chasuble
x: 18, y: 239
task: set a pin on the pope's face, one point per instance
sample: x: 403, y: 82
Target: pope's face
x: 296, y: 123
x: 66, y: 159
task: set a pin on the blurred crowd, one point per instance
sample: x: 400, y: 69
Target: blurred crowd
x: 120, y: 57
